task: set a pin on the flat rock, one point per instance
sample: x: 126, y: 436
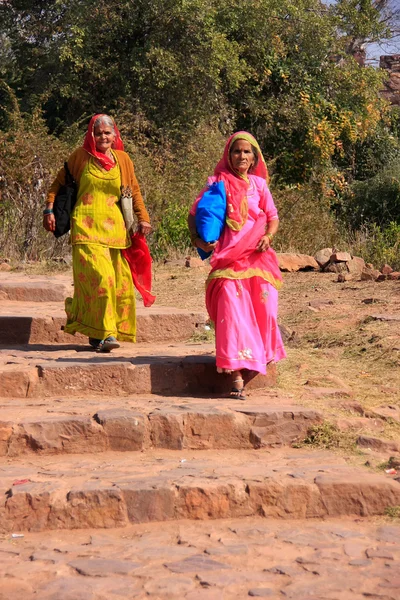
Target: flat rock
x: 33, y: 291
x: 102, y: 567
x: 197, y: 563
x: 377, y: 444
x: 261, y: 592
x: 297, y: 262
x: 384, y: 317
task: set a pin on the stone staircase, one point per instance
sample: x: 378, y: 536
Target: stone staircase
x: 105, y: 443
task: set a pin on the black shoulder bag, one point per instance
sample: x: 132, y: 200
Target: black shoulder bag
x: 64, y: 203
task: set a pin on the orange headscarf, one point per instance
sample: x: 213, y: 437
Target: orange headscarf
x: 90, y: 143
x: 236, y: 185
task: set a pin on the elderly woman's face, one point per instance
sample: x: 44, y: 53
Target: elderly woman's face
x: 104, y: 137
x: 242, y: 156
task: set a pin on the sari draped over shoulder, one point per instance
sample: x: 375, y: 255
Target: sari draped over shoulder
x: 107, y: 263
x: 242, y: 286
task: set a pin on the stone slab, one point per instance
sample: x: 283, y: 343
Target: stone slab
x: 84, y: 491
x: 33, y: 291
x: 194, y: 426
x: 23, y: 323
x: 109, y: 374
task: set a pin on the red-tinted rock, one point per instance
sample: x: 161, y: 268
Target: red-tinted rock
x: 386, y: 269
x: 53, y: 435
x: 369, y: 274
x: 395, y: 276
x: 363, y: 495
x: 340, y: 257
x: 356, y: 265
x: 297, y: 262
x: 124, y: 429
x: 378, y: 444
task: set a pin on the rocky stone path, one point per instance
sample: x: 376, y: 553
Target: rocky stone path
x: 226, y: 559
x: 172, y: 490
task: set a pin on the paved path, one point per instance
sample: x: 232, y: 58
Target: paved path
x: 117, y: 470
x: 231, y: 559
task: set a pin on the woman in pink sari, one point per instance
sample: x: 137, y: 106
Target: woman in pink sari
x: 242, y: 287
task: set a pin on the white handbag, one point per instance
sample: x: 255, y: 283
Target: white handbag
x: 127, y: 207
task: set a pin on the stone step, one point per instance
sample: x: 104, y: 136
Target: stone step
x: 114, y: 375
x: 114, y: 490
x: 179, y: 427
x: 21, y: 289
x: 25, y: 323
x: 230, y: 559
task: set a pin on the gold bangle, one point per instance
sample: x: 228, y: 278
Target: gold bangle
x: 270, y: 236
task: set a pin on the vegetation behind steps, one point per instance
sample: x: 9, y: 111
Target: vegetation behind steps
x: 179, y: 77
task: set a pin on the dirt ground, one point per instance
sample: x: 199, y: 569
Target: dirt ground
x: 341, y: 357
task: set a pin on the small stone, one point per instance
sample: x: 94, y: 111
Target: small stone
x: 369, y: 274
x: 193, y: 261
x: 342, y: 277
x: 379, y: 553
x: 340, y: 257
x: 378, y: 444
x: 261, y: 592
x: 395, y: 276
x: 386, y: 269
x: 5, y: 267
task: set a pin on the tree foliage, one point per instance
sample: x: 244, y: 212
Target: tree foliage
x: 171, y: 70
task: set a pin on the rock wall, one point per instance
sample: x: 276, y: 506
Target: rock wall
x: 391, y: 90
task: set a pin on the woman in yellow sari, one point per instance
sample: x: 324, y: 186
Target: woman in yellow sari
x: 103, y: 306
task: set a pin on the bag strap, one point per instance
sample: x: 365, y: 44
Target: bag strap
x: 69, y: 180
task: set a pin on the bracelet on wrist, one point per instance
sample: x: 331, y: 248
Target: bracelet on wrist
x: 270, y: 236
x: 48, y: 211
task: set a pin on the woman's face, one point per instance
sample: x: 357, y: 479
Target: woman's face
x: 104, y: 137
x: 242, y: 156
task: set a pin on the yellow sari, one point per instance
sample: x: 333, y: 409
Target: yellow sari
x: 104, y: 300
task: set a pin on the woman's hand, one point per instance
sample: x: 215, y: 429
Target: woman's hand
x: 49, y: 222
x: 144, y: 227
x: 264, y: 243
x: 206, y: 246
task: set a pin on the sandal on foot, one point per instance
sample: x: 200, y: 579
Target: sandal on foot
x: 108, y: 344
x: 94, y: 342
x: 236, y: 392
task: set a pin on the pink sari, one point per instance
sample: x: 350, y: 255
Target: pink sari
x: 242, y: 287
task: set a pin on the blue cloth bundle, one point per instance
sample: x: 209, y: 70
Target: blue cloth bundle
x: 210, y: 215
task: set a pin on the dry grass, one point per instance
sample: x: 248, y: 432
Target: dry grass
x: 339, y: 348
